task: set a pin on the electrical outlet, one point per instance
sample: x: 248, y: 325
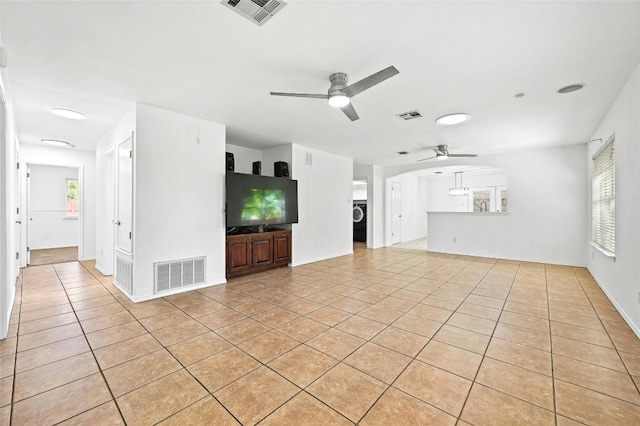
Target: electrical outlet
x: 454, y: 239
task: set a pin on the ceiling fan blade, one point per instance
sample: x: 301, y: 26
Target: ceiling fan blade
x: 463, y: 155
x: 350, y: 112
x: 300, y: 95
x: 425, y: 159
x: 368, y: 82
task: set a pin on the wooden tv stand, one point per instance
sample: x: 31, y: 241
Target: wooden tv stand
x: 250, y: 253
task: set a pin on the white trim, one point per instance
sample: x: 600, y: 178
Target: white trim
x: 603, y: 250
x: 320, y: 259
x: 615, y: 304
x: 135, y: 299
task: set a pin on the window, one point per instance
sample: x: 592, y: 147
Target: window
x: 72, y: 202
x: 604, y: 197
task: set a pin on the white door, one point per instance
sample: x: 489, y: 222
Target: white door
x: 124, y: 198
x: 28, y: 219
x: 396, y: 212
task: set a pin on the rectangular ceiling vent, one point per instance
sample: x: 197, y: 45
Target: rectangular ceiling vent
x: 410, y: 115
x: 257, y: 11
x: 178, y: 273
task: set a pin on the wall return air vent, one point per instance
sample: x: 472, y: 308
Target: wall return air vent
x: 179, y: 273
x: 257, y: 11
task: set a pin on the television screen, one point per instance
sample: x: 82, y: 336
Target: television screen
x: 260, y: 200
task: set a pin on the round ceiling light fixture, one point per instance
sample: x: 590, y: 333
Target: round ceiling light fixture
x: 68, y: 113
x: 451, y: 119
x: 571, y: 88
x: 338, y: 100
x: 57, y: 143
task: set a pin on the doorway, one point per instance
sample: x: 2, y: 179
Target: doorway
x: 53, y: 213
x: 396, y: 212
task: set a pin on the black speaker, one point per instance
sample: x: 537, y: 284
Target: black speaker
x: 257, y: 167
x: 280, y: 169
x: 231, y: 164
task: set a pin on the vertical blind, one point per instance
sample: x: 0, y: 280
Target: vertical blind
x: 604, y: 197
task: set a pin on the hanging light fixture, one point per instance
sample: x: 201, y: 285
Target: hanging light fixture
x: 459, y: 189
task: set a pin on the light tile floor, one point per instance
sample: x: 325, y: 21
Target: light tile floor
x: 383, y: 337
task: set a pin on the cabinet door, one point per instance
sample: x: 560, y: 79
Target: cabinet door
x: 262, y: 250
x: 282, y: 248
x: 238, y: 255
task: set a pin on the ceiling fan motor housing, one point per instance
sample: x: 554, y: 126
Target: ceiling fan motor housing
x: 338, y: 82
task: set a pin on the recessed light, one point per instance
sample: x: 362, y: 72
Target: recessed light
x: 571, y: 88
x: 68, y: 113
x: 451, y: 119
x: 57, y: 143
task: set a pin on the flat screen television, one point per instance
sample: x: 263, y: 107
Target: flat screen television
x: 260, y: 200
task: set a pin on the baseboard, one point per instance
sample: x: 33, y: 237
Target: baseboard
x: 102, y: 271
x: 167, y: 293
x: 621, y: 311
x: 320, y: 259
x: 521, y: 259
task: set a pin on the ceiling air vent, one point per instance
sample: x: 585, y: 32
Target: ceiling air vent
x: 410, y: 115
x: 257, y: 11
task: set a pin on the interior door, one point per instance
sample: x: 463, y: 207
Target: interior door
x: 28, y: 219
x: 396, y: 212
x: 124, y: 218
x: 19, y: 214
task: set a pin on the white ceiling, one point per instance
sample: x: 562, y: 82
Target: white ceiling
x: 201, y: 59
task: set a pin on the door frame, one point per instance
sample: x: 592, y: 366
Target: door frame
x: 396, y: 202
x: 25, y: 252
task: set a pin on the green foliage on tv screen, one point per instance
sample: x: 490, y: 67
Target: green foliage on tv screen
x: 263, y: 204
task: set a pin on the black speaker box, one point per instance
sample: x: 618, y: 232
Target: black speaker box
x: 280, y: 169
x: 257, y: 167
x: 231, y: 165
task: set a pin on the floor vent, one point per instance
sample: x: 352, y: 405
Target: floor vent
x: 124, y: 275
x: 179, y: 273
x: 410, y: 115
x: 257, y: 11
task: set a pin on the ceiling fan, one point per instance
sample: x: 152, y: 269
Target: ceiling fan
x: 442, y: 153
x: 339, y: 94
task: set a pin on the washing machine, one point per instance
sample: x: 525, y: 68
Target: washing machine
x: 360, y: 221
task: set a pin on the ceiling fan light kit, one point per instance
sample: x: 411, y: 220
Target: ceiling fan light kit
x: 339, y: 94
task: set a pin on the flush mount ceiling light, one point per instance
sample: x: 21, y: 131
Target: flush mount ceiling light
x: 57, y: 143
x: 451, y: 119
x: 571, y: 88
x: 68, y: 113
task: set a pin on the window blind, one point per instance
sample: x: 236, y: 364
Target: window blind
x: 604, y: 197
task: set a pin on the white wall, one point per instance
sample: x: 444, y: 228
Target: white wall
x: 48, y: 225
x: 413, y: 201
x: 244, y: 158
x: 10, y: 241
x: 620, y: 278
x: 360, y: 192
x: 325, y: 227
x: 83, y: 160
x: 105, y: 168
x: 179, y: 194
x: 547, y: 219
